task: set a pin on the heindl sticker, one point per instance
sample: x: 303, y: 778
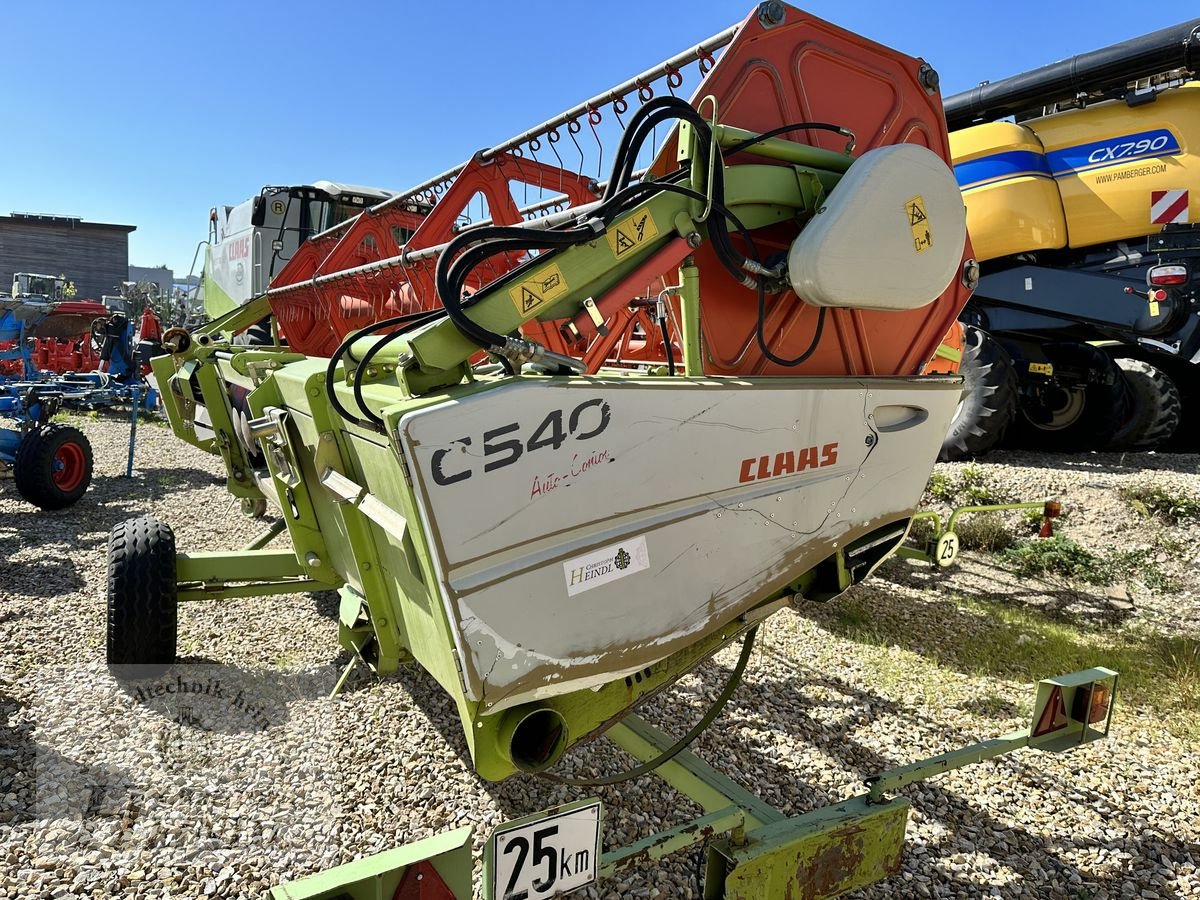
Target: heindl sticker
x: 606, y: 565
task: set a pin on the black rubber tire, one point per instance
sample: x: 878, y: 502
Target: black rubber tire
x: 989, y: 397
x: 143, y: 602
x: 42, y: 458
x: 1153, y: 407
x: 1101, y: 405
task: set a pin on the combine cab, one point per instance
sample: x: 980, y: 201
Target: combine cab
x: 249, y: 243
x: 563, y: 451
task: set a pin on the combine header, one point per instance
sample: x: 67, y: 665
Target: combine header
x: 559, y: 438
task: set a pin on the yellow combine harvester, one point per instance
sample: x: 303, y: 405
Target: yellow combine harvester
x: 1081, y: 181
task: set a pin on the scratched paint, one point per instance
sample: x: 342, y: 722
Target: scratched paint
x: 717, y: 545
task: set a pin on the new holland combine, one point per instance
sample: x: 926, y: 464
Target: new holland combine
x: 1084, y: 331
x: 561, y: 455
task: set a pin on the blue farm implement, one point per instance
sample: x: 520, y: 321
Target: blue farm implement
x: 51, y: 463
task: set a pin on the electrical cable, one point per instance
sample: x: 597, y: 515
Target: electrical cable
x: 680, y: 745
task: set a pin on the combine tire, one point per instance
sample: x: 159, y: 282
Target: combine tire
x: 53, y: 466
x: 989, y: 398
x: 143, y: 611
x: 1153, y: 407
x: 1083, y: 417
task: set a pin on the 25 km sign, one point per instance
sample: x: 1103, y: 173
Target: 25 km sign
x: 545, y: 855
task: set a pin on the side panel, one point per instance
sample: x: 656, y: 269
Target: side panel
x: 1112, y: 161
x: 583, y: 529
x: 1013, y: 204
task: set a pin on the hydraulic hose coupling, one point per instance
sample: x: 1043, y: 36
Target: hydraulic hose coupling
x: 518, y: 352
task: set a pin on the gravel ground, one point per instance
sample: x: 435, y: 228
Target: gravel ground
x: 105, y: 793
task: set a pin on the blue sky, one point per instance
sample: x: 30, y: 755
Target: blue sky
x: 151, y: 113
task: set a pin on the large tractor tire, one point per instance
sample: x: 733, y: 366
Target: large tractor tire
x: 1153, y: 407
x: 989, y: 398
x: 143, y: 603
x: 53, y: 466
x: 1081, y: 417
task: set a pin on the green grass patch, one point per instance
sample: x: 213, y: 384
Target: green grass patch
x: 984, y: 531
x: 969, y: 486
x: 1150, y: 499
x: 1060, y: 556
x: 982, y: 638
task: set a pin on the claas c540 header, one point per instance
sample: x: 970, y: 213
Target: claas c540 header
x: 559, y: 430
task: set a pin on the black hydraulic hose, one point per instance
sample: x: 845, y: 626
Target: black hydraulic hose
x: 670, y: 351
x: 784, y: 129
x: 452, y: 272
x: 762, y: 340
x: 718, y: 706
x: 344, y: 346
x: 468, y: 250
x: 647, y: 117
x: 515, y: 238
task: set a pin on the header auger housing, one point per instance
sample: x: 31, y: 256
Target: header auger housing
x: 559, y: 460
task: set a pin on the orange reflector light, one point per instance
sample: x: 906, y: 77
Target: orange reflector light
x: 1167, y: 275
x: 1054, y: 715
x: 1052, y: 509
x: 1091, y: 703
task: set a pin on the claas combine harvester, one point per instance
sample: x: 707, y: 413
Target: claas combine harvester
x: 560, y: 454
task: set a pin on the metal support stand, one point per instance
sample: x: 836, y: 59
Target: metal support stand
x: 135, y: 403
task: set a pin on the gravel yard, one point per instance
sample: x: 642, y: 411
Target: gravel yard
x: 101, y: 795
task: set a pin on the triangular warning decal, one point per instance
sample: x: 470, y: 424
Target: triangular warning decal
x: 624, y: 244
x: 529, y: 300
x: 1054, y: 714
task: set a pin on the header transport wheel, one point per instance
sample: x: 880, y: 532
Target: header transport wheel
x: 143, y: 610
x: 53, y: 466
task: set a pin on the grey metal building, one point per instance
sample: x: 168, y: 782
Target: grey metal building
x: 159, y: 275
x: 94, y: 255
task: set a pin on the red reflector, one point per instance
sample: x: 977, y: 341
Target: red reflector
x: 421, y: 881
x: 1091, y: 703
x: 1168, y: 275
x: 1157, y: 296
x: 1054, y: 715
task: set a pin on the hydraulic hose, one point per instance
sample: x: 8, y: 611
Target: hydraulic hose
x: 735, y: 678
x: 408, y: 319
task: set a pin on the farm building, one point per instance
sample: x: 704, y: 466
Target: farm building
x: 94, y: 255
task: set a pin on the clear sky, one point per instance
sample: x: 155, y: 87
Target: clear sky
x: 150, y: 113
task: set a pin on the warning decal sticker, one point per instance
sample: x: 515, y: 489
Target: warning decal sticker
x: 1168, y: 207
x: 631, y: 233
x: 918, y: 221
x: 534, y: 292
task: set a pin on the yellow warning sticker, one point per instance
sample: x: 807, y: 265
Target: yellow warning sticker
x: 631, y: 233
x: 1041, y: 368
x: 544, y: 286
x: 1154, y: 307
x: 918, y: 221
